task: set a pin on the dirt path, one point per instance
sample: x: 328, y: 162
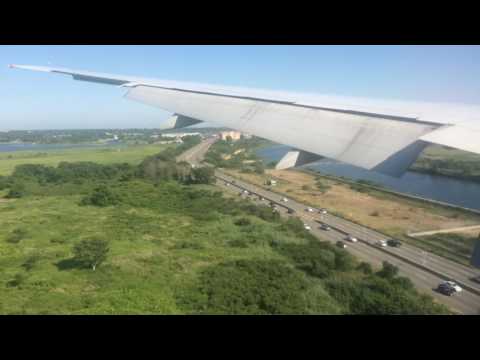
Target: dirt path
x: 443, y: 231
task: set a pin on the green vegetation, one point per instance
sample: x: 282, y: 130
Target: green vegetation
x: 101, y: 196
x: 161, y: 243
x: 131, y: 154
x: 441, y: 160
x: 322, y: 186
x: 90, y: 253
x: 238, y: 155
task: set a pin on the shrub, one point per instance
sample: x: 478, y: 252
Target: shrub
x: 17, y: 280
x: 252, y: 287
x: 322, y: 187
x: 17, y: 191
x: 243, y: 222
x: 366, y: 268
x: 316, y: 259
x: 259, y: 168
x: 30, y: 262
x: 388, y: 271
x: 4, y: 182
x: 102, y: 196
x: 194, y: 245
x: 58, y: 241
x: 16, y: 236
x: 91, y: 253
x: 202, y: 175
x: 239, y: 243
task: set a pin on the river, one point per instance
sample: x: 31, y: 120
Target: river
x: 449, y: 190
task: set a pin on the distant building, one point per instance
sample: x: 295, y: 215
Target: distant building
x: 234, y: 135
x: 180, y: 135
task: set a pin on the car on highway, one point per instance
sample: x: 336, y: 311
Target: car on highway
x: 341, y: 244
x: 307, y: 227
x: 381, y: 243
x: 351, y: 238
x: 246, y: 192
x: 284, y: 199
x: 323, y: 211
x: 394, y: 243
x: 227, y: 184
x: 325, y: 227
x: 449, y: 288
x: 309, y: 209
x: 290, y: 211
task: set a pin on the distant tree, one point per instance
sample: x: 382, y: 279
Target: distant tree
x: 91, y: 253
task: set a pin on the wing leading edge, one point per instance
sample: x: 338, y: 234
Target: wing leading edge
x: 383, y: 139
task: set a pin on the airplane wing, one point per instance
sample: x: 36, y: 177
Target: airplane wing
x: 380, y: 135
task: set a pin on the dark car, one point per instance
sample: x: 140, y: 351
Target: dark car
x: 290, y: 211
x: 325, y: 227
x: 341, y: 244
x: 445, y: 290
x: 394, y: 243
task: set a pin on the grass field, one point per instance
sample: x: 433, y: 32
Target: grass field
x: 150, y: 258
x: 132, y: 154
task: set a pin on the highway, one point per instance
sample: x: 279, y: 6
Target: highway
x: 426, y: 270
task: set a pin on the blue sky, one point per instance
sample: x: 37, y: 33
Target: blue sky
x: 30, y: 100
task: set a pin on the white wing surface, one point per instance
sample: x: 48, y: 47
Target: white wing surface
x: 379, y: 135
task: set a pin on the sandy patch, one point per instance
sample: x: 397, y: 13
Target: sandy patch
x: 395, y: 215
